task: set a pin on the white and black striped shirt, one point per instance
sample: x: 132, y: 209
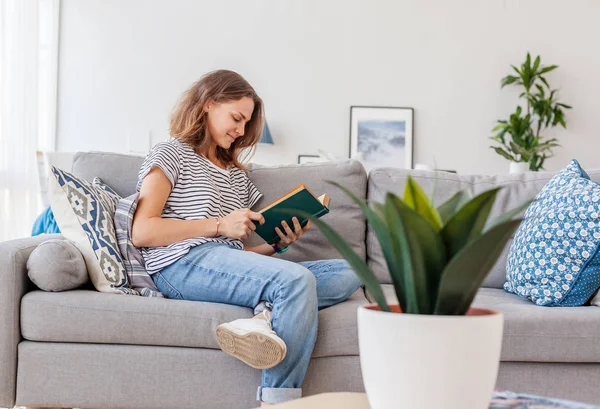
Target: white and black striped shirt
x: 200, y: 190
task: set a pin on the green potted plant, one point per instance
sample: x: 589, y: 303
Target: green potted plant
x: 431, y: 350
x: 521, y: 137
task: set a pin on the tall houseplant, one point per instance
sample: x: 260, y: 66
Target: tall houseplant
x: 521, y: 137
x: 439, y: 352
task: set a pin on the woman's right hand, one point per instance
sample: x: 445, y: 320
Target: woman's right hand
x: 238, y: 224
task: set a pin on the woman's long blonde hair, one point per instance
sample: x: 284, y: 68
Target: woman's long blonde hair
x: 189, y: 120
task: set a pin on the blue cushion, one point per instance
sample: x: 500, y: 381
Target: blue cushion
x: 45, y: 224
x: 554, y: 258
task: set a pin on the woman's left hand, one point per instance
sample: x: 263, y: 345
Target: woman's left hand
x: 290, y: 236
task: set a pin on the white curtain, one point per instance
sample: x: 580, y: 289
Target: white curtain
x: 28, y: 55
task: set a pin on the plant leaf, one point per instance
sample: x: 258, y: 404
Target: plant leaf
x: 505, y: 217
x: 427, y: 240
x: 503, y: 153
x: 379, y: 209
x: 464, y: 274
x: 536, y: 63
x: 562, y: 122
x: 360, y: 267
x: 415, y: 198
x: 410, y: 258
x: 499, y: 126
x: 377, y: 222
x: 548, y: 69
x: 468, y: 222
x: 540, y: 89
x: 510, y: 79
x: 449, y: 207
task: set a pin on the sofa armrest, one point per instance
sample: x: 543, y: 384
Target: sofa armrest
x: 14, y: 283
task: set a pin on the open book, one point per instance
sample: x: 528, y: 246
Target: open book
x: 299, y: 198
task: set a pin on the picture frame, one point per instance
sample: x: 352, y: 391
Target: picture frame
x: 382, y: 136
x: 302, y: 159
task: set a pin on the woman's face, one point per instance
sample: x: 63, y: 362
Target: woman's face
x: 227, y: 120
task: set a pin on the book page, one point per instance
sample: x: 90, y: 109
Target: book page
x: 324, y: 199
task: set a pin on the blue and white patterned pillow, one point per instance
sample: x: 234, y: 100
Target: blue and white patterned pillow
x: 554, y: 258
x: 84, y: 213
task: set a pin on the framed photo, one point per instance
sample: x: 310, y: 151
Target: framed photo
x: 382, y: 136
x: 310, y: 159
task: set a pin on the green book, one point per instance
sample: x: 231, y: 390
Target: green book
x: 299, y: 198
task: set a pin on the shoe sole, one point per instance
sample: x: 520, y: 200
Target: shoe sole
x: 254, y: 349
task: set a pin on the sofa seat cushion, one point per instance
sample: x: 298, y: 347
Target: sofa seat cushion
x: 84, y: 316
x: 540, y: 334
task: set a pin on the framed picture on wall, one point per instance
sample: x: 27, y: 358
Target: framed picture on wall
x: 382, y: 136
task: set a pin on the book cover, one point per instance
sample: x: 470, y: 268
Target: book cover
x: 299, y: 198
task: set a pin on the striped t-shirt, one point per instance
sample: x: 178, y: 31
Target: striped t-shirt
x: 200, y: 190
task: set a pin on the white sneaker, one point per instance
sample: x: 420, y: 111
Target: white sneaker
x: 253, y: 341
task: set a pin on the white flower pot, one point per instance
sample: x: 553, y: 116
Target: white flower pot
x: 429, y: 361
x: 518, y: 167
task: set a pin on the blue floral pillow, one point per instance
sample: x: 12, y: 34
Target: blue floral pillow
x: 554, y: 258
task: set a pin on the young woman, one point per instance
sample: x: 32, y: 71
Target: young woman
x: 192, y: 217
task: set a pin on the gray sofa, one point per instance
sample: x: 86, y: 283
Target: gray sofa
x: 87, y: 349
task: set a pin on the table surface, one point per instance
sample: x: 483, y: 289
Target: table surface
x: 334, y: 400
x: 500, y: 400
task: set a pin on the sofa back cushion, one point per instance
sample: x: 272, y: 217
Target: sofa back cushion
x: 344, y: 216
x: 518, y: 188
x: 120, y: 172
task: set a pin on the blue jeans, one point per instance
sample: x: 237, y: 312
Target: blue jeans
x: 216, y: 272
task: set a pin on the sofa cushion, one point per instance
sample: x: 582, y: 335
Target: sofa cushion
x: 554, y: 258
x: 345, y: 216
x: 518, y: 188
x: 133, y: 261
x: 539, y: 334
x: 117, y: 170
x: 121, y: 171
x: 57, y: 265
x: 84, y: 213
x: 83, y: 316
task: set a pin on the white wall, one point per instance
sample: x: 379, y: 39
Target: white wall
x: 124, y: 63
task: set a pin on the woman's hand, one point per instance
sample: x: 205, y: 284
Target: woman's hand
x: 291, y: 236
x: 238, y: 224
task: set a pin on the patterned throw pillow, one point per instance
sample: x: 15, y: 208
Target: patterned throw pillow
x: 554, y: 258
x: 133, y: 260
x: 84, y: 213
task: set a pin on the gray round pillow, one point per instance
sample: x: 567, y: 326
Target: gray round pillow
x: 57, y: 265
